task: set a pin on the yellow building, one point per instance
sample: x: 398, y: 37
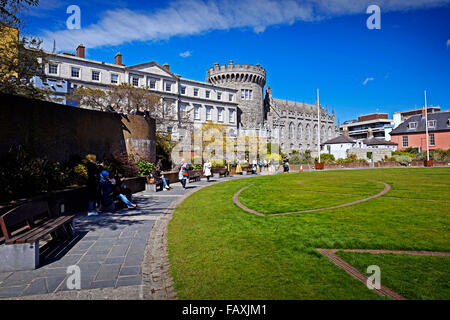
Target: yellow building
x: 9, y: 38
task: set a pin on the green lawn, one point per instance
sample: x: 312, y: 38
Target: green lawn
x: 219, y: 251
x: 414, y: 277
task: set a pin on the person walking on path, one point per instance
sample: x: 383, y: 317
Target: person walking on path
x: 238, y: 168
x: 183, y: 173
x: 93, y: 183
x: 207, y: 169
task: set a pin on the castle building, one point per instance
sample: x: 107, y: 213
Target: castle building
x: 232, y: 95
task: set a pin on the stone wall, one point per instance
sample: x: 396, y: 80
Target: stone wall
x: 58, y: 131
x: 377, y: 153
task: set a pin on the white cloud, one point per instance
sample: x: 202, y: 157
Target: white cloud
x: 191, y: 17
x: 448, y: 43
x: 367, y: 80
x: 185, y: 54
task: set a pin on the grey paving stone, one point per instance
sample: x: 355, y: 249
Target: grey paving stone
x: 83, y: 245
x: 108, y: 272
x: 9, y: 292
x: 104, y: 243
x: 90, y: 237
x: 123, y: 241
x: 118, y: 251
x: 130, y: 271
x: 133, y: 260
x: 98, y: 251
x: 89, y: 269
x: 65, y: 261
x: 4, y: 275
x: 129, y: 281
x: 99, y: 258
x: 103, y: 284
x: 18, y: 278
x: 136, y: 249
x: 52, y: 272
x: 115, y: 260
x: 54, y: 282
x: 38, y: 286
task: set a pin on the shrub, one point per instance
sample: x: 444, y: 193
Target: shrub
x: 81, y: 174
x: 403, y: 153
x: 145, y: 167
x: 218, y: 163
x: 327, y: 158
x: 403, y: 159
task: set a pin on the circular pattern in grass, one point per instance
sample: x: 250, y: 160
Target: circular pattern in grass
x: 321, y: 200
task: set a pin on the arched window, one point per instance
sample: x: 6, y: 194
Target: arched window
x: 308, y: 132
x: 315, y: 132
x: 329, y: 133
x: 299, y: 131
x: 291, y: 131
x: 322, y: 133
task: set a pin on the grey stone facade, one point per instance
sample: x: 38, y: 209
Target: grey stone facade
x: 293, y: 125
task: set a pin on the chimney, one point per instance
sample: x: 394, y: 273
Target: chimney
x: 80, y: 51
x: 345, y: 131
x: 166, y: 66
x: 118, y: 59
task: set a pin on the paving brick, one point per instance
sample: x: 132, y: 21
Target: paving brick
x: 4, y: 275
x: 103, y: 284
x: 115, y: 260
x: 38, y: 286
x: 66, y: 261
x: 133, y: 260
x: 108, y: 272
x: 129, y: 281
x: 89, y: 269
x: 118, y: 251
x: 130, y: 271
x: 54, y: 282
x: 9, y: 292
x: 99, y: 258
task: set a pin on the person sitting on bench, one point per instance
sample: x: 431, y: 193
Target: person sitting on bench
x: 121, y: 192
x: 157, y: 176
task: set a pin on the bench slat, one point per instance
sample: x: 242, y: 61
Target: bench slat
x: 41, y: 230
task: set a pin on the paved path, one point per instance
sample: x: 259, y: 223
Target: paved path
x: 121, y: 255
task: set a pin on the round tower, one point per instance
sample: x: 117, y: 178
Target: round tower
x: 249, y: 81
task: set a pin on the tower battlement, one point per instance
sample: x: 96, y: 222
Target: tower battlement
x: 221, y: 74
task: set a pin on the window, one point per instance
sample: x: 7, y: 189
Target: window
x: 405, y: 141
x: 208, y: 113
x: 53, y: 69
x: 219, y: 95
x: 114, y: 78
x: 75, y: 72
x: 197, y: 112
x: 95, y: 75
x: 183, y: 90
x: 413, y: 125
x: 183, y: 108
x: 448, y: 122
x: 291, y: 131
x: 168, y: 86
x: 231, y: 115
x: 246, y: 94
x: 432, y: 139
x: 220, y: 114
x: 299, y: 131
x: 431, y: 123
x: 195, y: 92
x: 152, y: 84
x: 230, y: 97
x: 135, y: 81
x: 207, y: 94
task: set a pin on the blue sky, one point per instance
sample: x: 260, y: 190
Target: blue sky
x: 303, y: 45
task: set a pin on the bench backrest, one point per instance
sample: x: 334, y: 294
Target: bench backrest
x: 22, y: 216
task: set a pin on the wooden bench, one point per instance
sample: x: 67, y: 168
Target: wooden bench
x: 22, y: 228
x: 194, y: 176
x: 222, y: 172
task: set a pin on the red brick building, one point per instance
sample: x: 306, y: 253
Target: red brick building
x: 411, y: 133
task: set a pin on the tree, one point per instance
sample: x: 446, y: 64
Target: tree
x: 21, y: 58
